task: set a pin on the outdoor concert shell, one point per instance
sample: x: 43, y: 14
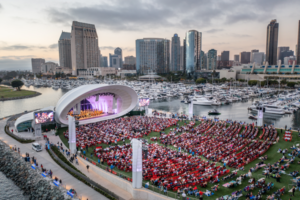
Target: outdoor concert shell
x: 127, y: 99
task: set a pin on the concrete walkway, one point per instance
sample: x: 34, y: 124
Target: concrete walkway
x: 93, y: 175
x: 83, y: 191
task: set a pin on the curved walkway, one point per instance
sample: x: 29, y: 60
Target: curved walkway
x: 43, y: 158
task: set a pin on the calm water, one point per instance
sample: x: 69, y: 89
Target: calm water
x: 235, y: 111
x: 8, y: 190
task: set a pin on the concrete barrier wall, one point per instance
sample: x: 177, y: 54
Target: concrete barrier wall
x: 138, y: 194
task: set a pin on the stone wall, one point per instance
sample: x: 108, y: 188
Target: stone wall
x: 26, y: 178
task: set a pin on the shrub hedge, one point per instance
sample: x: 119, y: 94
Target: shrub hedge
x: 56, y: 151
x: 64, y: 159
x: 21, y: 140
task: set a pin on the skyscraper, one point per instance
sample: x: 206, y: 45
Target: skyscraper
x: 175, y: 53
x: 36, y: 64
x: 279, y: 52
x: 245, y: 57
x: 212, y: 59
x: 251, y: 55
x: 64, y: 49
x: 193, y: 52
x: 284, y: 54
x: 298, y: 45
x: 130, y: 60
x: 184, y: 55
x: 203, y: 60
x: 225, y: 55
x: 104, y: 61
x: 118, y: 51
x: 236, y: 58
x: 99, y: 57
x: 182, y: 58
x: 258, y: 58
x: 272, y: 42
x: 152, y: 55
x: 84, y: 47
x: 114, y: 60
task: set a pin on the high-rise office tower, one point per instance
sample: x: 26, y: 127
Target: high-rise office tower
x: 225, y: 55
x: 284, y: 54
x: 84, y: 46
x: 218, y: 57
x: 272, y: 42
x: 64, y: 49
x: 118, y: 51
x: 245, y: 57
x: 258, y: 58
x: 104, y: 61
x: 193, y: 52
x: 279, y: 52
x: 130, y: 60
x: 100, y: 56
x: 298, y: 45
x: 212, y: 59
x: 184, y: 55
x: 182, y: 58
x: 251, y: 55
x: 36, y: 64
x: 236, y: 58
x: 152, y: 55
x: 203, y: 60
x: 175, y: 53
x: 114, y: 60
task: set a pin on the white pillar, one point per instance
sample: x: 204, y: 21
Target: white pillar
x: 72, y: 134
x: 260, y: 116
x: 191, y: 110
x: 137, y: 163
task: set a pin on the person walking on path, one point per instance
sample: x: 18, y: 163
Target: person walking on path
x: 87, y: 167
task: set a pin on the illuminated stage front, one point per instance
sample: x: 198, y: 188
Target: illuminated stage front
x: 93, y: 103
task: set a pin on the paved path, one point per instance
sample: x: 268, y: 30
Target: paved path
x: 43, y: 158
x: 94, y: 175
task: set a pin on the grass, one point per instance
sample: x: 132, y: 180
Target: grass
x: 273, y: 157
x: 6, y: 92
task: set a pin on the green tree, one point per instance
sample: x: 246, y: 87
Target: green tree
x: 252, y: 82
x: 283, y: 81
x: 17, y: 84
x: 291, y: 84
x: 201, y: 80
x: 223, y: 79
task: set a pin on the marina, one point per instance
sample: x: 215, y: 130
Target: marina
x: 234, y: 103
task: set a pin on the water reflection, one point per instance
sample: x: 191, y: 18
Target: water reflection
x: 235, y: 111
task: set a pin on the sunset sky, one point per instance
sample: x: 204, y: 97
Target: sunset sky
x: 31, y: 28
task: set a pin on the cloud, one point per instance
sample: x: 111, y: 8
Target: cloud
x: 145, y: 15
x: 220, y: 43
x: 240, y: 35
x: 27, y: 47
x: 53, y: 46
x: 214, y: 30
x: 113, y: 48
x: 107, y: 48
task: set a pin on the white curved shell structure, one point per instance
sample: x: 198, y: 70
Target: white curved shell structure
x: 124, y: 99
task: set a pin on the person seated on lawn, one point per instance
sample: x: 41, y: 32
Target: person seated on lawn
x: 215, y: 187
x: 294, y: 173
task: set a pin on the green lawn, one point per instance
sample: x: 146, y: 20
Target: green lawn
x: 6, y: 92
x: 273, y: 156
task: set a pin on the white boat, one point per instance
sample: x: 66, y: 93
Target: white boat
x: 202, y: 101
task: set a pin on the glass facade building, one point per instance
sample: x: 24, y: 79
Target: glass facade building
x: 193, y: 52
x: 212, y: 59
x: 272, y: 42
x: 152, y: 55
x: 175, y: 53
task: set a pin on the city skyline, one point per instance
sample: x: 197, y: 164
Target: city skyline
x: 42, y: 24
